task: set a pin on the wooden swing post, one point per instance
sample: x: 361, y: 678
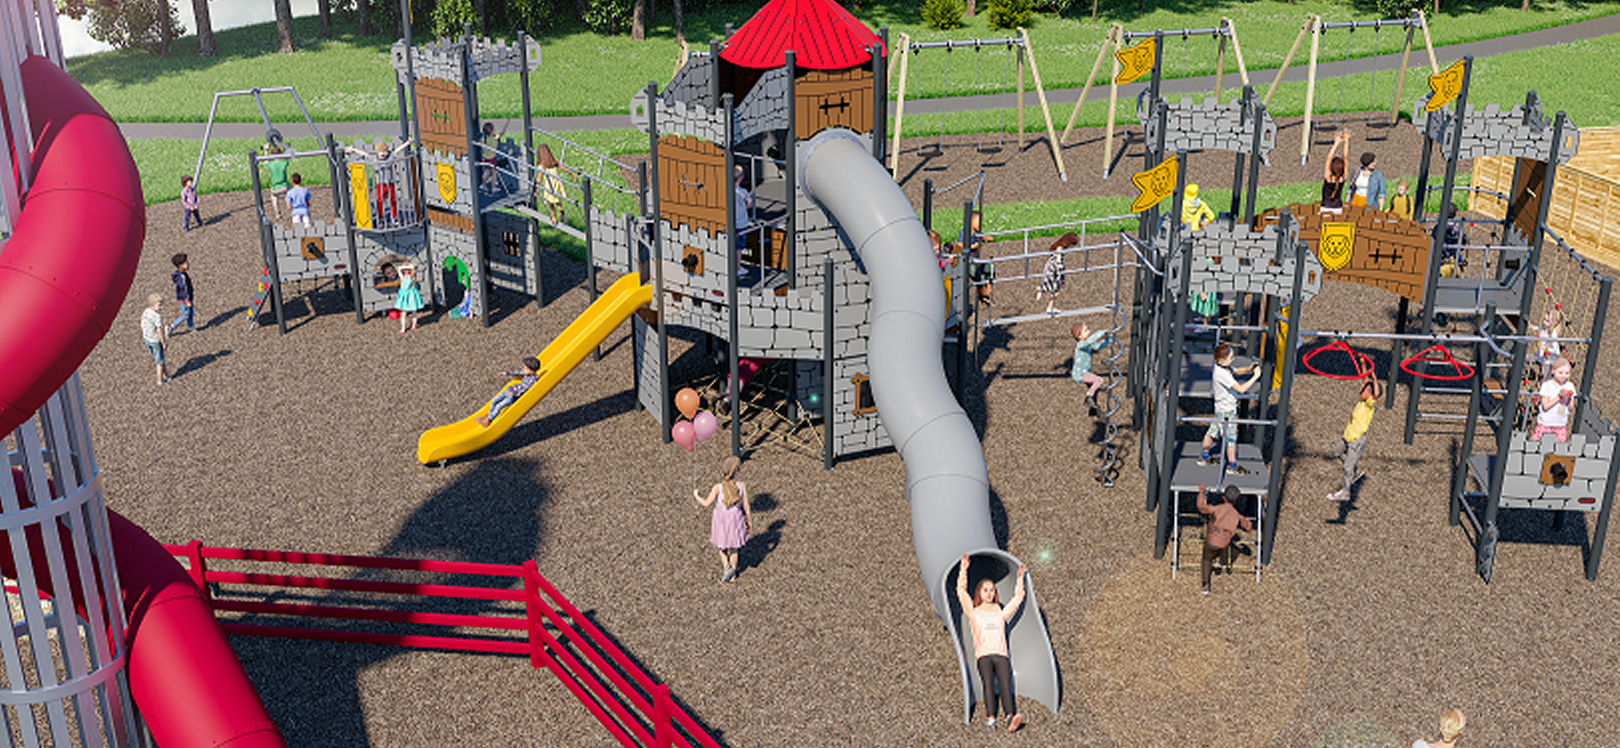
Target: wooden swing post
x: 1428, y: 44
x: 1310, y: 91
x: 900, y: 103
x: 1237, y: 51
x: 1310, y: 23
x: 1112, y: 40
x: 1046, y: 111
x: 1400, y: 75
x: 1113, y: 98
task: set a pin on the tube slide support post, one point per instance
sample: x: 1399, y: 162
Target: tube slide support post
x: 969, y: 302
x: 732, y: 354
x: 345, y: 205
x: 1459, y: 480
x: 829, y: 337
x: 1593, y: 348
x: 655, y: 255
x: 1279, y: 433
x: 928, y: 204
x: 790, y: 174
x: 714, y: 77
x: 880, y: 95
x: 1595, y: 557
x: 1178, y: 298
x: 1437, y: 242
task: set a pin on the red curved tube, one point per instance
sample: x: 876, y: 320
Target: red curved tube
x: 72, y: 256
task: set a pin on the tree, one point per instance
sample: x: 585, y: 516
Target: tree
x: 638, y: 21
x: 362, y: 14
x: 325, y: 9
x: 205, y: 28
x: 284, y: 18
x: 126, y: 24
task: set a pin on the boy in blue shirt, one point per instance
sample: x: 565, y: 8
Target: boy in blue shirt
x: 511, y: 392
x: 298, y: 200
x: 183, y: 293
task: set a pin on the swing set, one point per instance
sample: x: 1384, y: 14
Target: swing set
x: 1131, y: 63
x: 1314, y: 28
x: 1018, y: 52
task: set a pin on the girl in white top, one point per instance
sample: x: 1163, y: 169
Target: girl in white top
x: 1451, y: 725
x: 1552, y: 328
x: 988, y: 620
x: 1553, y: 401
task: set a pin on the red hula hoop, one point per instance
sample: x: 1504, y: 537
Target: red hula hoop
x: 1362, y: 361
x: 1460, y: 370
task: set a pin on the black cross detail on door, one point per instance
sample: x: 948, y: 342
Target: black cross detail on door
x: 843, y: 104
x: 1379, y: 256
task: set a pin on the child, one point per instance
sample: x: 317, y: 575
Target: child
x: 1547, y: 349
x: 972, y: 241
x: 1354, y: 439
x: 940, y: 250
x: 1553, y: 401
x: 183, y: 293
x: 1224, y: 521
x: 551, y: 186
x: 155, y: 334
x: 278, y: 180
x: 511, y: 392
x: 408, y: 301
x: 1225, y: 389
x: 732, y: 518
x: 1054, y: 275
x: 1195, y: 215
x: 1452, y: 723
x: 1401, y: 203
x: 190, y: 203
x: 490, y: 155
x: 1087, y: 343
x: 742, y: 201
x: 988, y: 621
x: 1333, y: 174
x: 384, y: 198
x: 298, y: 201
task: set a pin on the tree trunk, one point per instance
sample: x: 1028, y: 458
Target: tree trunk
x: 1093, y: 10
x: 362, y: 15
x: 638, y: 21
x: 680, y: 24
x: 205, y: 28
x: 968, y: 8
x: 284, y: 26
x: 1524, y: 7
x: 581, y: 7
x: 165, y: 29
x: 325, y: 7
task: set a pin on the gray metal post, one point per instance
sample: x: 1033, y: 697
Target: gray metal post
x: 268, y: 245
x: 829, y: 338
x: 534, y: 197
x: 1247, y: 105
x: 1595, y: 556
x: 1459, y: 480
x: 968, y: 303
x: 790, y: 170
x: 1258, y: 111
x: 1279, y: 428
x: 928, y: 204
x: 345, y: 209
x: 590, y: 254
x: 1589, y: 367
x: 880, y: 96
x: 1504, y: 440
x: 1437, y: 242
x: 470, y: 107
x: 655, y: 258
x: 1178, y: 298
x: 733, y: 355
x: 714, y: 75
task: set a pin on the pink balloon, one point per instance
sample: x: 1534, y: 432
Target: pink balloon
x: 684, y: 435
x: 704, y: 424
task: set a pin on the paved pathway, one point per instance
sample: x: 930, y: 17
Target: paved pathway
x: 1260, y: 78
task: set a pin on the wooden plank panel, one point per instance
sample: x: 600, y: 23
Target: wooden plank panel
x: 443, y: 117
x: 692, y: 188
x: 836, y: 99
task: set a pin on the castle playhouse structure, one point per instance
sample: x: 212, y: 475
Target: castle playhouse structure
x: 422, y: 201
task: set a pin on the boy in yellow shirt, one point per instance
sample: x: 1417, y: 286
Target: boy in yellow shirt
x: 1354, y: 439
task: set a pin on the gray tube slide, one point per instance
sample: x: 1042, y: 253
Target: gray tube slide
x: 947, y: 483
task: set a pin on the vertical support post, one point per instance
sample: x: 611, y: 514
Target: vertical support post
x: 733, y: 354
x: 1437, y: 241
x: 531, y: 613
x: 655, y: 255
x: 1247, y: 103
x: 590, y: 253
x: 663, y: 707
x: 1459, y: 480
x: 1484, y: 551
x: 967, y: 304
x: 1259, y: 114
x: 1279, y: 433
x: 1593, y: 348
x: 469, y: 96
x: 1220, y: 63
x: 1168, y: 448
x: 528, y: 157
x: 1400, y: 75
x: 1113, y: 104
x: 267, y: 243
x: 1310, y: 91
x: 343, y: 201
x: 879, y: 108
x: 828, y: 337
x: 1396, y: 350
x: 1599, y: 533
x: 790, y: 175
x: 1019, y: 56
x: 928, y: 204
x: 714, y: 74
x: 197, y: 568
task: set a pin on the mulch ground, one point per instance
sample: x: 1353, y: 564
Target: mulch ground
x: 1369, y: 622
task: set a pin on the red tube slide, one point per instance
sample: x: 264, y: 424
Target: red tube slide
x: 63, y: 274
x: 74, y: 248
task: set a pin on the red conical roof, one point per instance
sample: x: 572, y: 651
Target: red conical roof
x: 822, y: 35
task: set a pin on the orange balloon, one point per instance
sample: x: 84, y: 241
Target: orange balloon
x: 687, y: 401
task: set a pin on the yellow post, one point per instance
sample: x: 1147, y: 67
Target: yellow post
x: 1113, y: 97
x: 1310, y: 91
x: 1046, y: 111
x: 1019, y: 56
x: 1310, y: 23
x: 900, y: 104
x: 1095, y: 67
x: 1428, y: 45
x: 1400, y: 77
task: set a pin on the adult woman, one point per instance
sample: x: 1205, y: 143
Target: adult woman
x: 988, y: 621
x: 1333, y: 173
x: 732, y: 518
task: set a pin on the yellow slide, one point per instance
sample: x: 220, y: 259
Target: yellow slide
x: 559, y: 358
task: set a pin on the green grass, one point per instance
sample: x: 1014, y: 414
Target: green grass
x: 349, y: 77
x: 162, y: 161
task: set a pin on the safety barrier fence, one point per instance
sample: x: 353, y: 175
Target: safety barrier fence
x: 634, y: 708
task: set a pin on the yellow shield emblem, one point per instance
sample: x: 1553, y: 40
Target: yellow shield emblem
x: 1444, y: 86
x: 1134, y: 61
x: 1154, y: 185
x: 1336, y: 245
x: 445, y: 174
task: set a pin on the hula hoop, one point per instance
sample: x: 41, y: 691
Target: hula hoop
x: 1363, y: 362
x: 1460, y: 370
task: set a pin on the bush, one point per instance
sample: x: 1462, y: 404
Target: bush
x: 1011, y: 14
x: 943, y: 14
x: 609, y: 16
x: 1397, y: 8
x: 451, y: 16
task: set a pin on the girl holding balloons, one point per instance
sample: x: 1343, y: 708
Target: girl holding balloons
x: 732, y: 518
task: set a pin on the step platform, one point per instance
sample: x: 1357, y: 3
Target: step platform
x: 1187, y: 474
x: 1462, y: 296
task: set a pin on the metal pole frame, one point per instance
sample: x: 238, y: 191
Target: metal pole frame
x: 1589, y: 367
x: 342, y: 200
x: 1279, y: 428
x: 1168, y: 448
x: 790, y: 168
x: 1459, y: 479
x: 829, y: 337
x: 534, y: 199
x: 967, y: 303
x: 267, y: 245
x: 1485, y: 548
x: 733, y: 355
x: 1595, y: 556
x: 654, y: 265
x: 880, y: 95
x: 469, y: 99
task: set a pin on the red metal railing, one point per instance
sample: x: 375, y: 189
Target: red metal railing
x: 554, y: 634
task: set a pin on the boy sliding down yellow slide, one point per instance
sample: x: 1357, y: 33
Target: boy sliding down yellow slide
x: 511, y: 392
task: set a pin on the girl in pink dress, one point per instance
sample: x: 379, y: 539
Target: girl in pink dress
x: 729, y: 525
x: 988, y: 621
